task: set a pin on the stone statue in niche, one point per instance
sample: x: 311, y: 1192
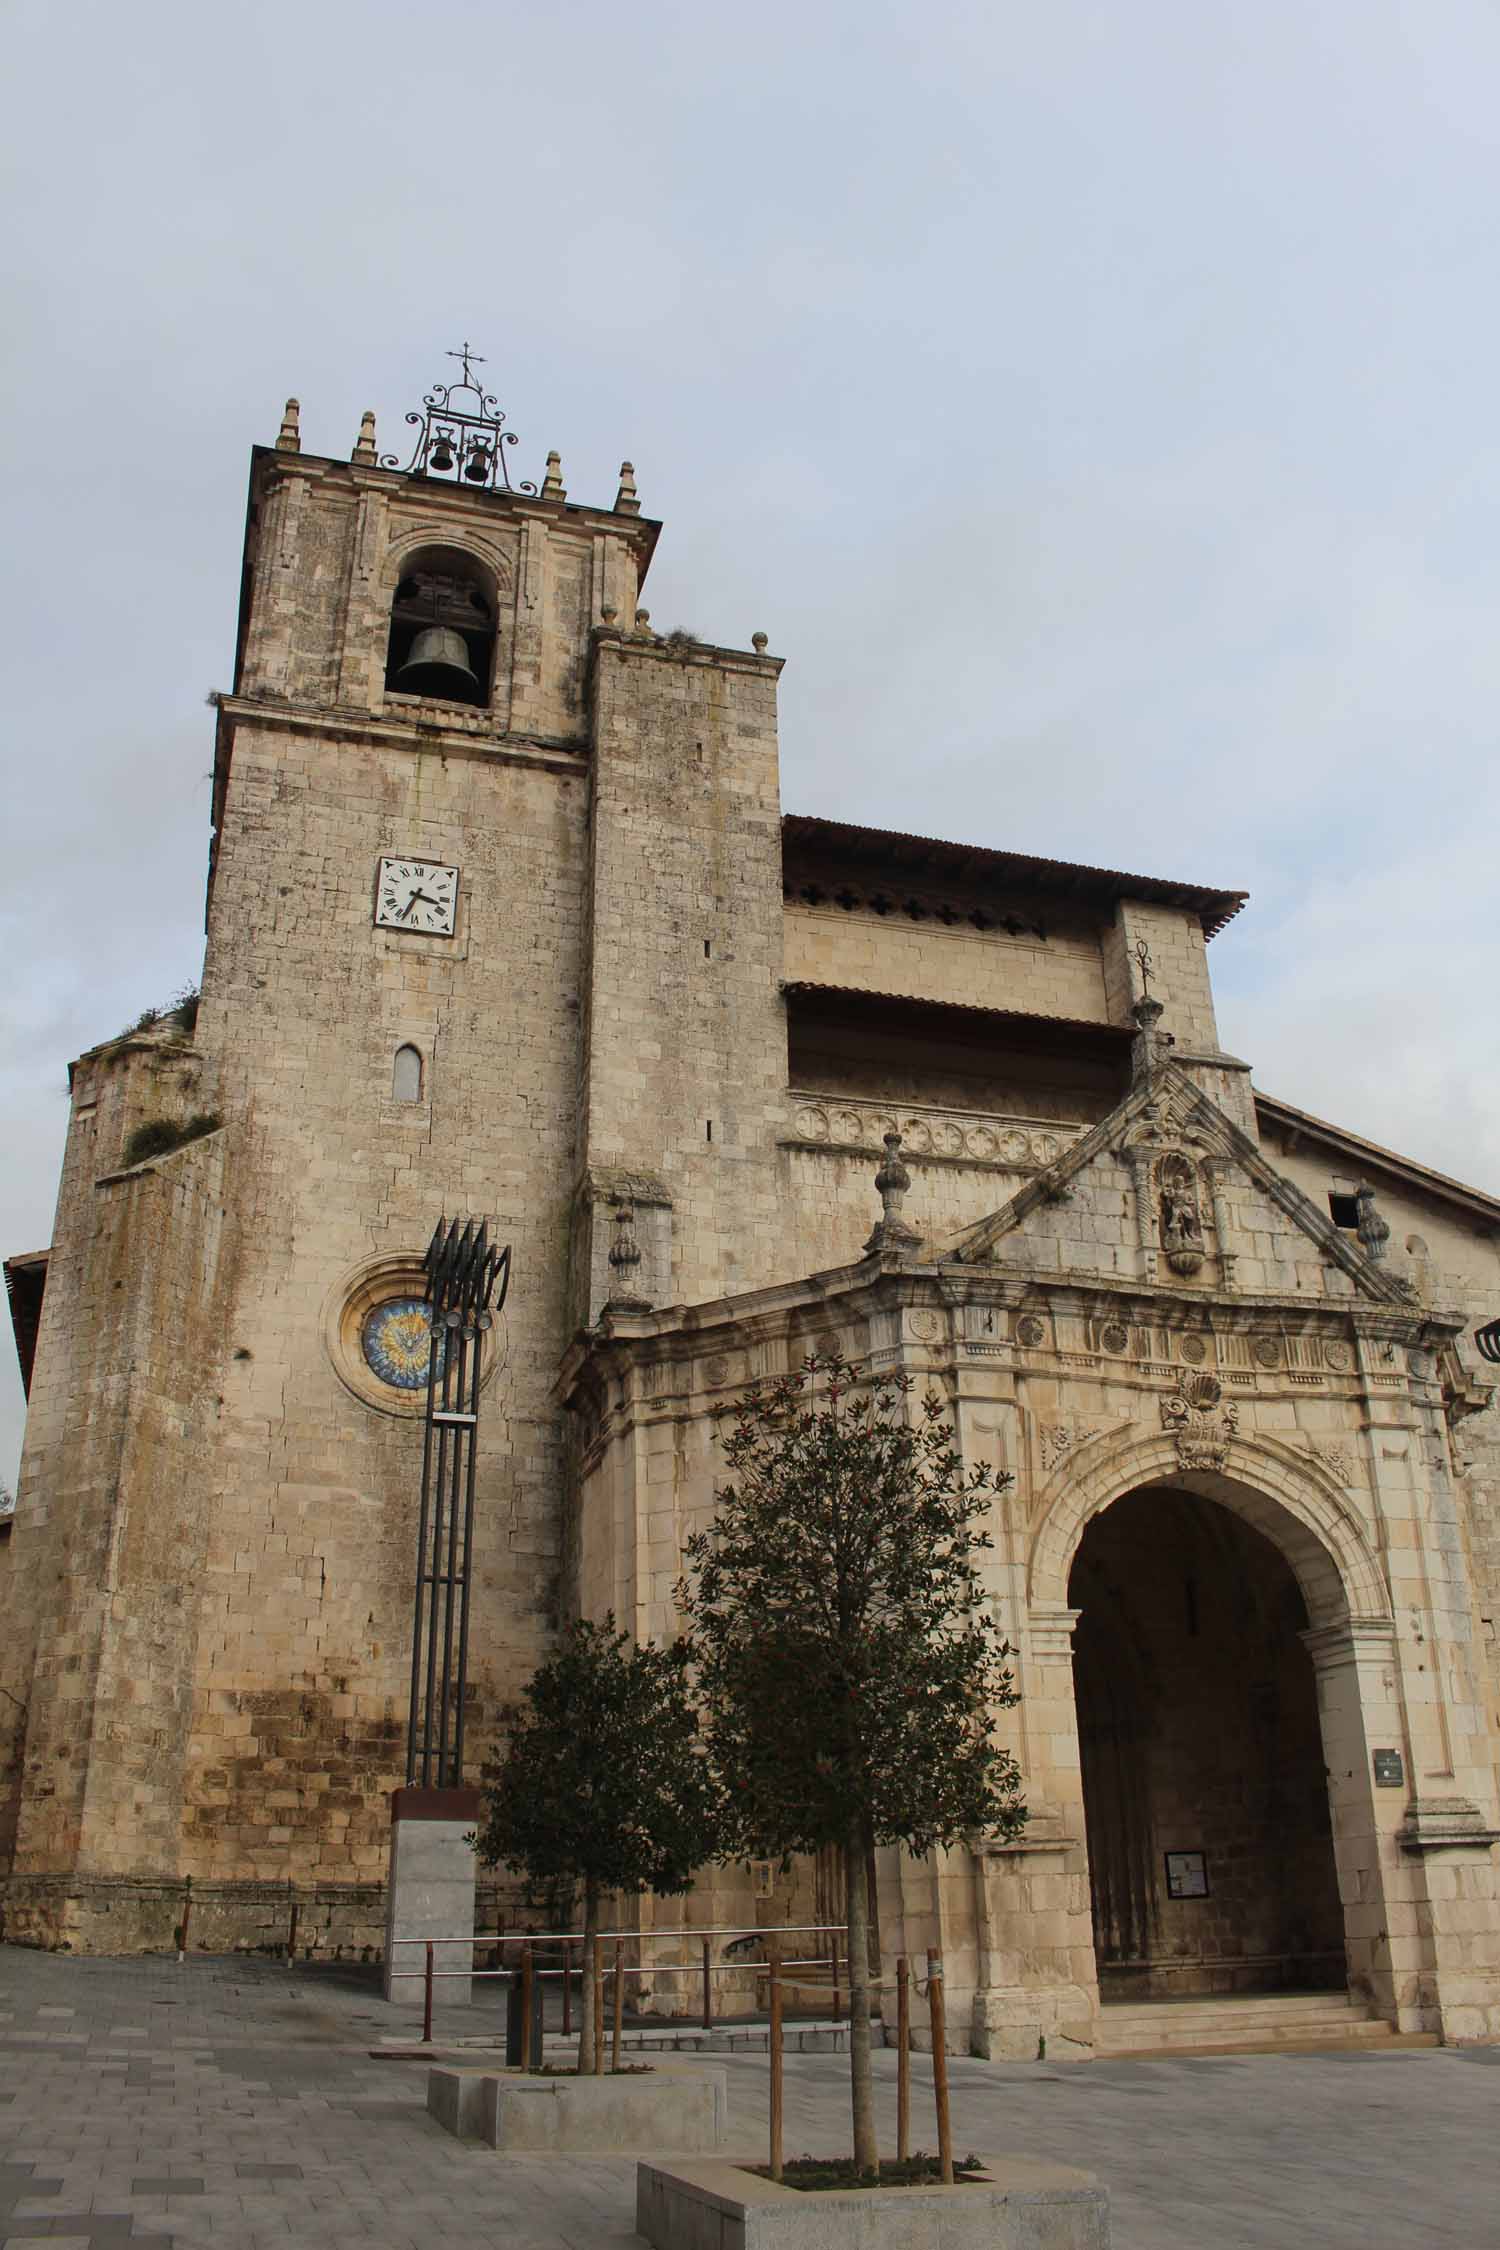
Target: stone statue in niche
x: 1181, y: 1220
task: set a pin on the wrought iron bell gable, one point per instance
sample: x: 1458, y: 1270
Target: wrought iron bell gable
x: 461, y: 434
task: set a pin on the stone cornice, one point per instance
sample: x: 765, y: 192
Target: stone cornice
x: 887, y: 1283
x: 382, y: 731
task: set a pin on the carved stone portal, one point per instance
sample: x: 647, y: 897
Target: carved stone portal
x: 1180, y: 1214
x: 1199, y: 1421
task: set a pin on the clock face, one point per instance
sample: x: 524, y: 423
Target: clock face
x: 416, y: 894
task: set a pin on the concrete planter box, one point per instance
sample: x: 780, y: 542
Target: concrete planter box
x: 1019, y: 2205
x: 675, y: 2106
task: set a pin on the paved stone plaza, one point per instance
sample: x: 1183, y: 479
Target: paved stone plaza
x: 235, y: 2103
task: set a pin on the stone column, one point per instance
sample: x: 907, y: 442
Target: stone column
x: 1359, y: 1713
x: 1039, y: 1981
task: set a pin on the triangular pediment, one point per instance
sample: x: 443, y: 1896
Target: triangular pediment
x: 1168, y: 1189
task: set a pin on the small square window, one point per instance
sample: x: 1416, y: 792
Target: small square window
x: 1344, y: 1211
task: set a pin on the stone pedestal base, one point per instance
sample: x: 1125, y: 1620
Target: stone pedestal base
x: 430, y: 1894
x: 1053, y: 2023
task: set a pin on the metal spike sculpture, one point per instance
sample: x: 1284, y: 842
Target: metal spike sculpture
x: 467, y: 1281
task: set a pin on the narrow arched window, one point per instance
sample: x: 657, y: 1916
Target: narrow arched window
x: 406, y: 1077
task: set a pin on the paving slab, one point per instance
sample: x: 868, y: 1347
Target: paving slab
x: 236, y: 2104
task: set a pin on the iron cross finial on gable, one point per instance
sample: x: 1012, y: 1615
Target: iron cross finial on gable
x: 1145, y: 964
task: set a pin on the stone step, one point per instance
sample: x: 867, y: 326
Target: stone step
x: 1237, y: 2023
x: 1218, y: 2033
x: 1237, y: 2008
x: 1385, y: 2042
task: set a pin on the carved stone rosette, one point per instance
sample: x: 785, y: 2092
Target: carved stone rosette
x: 1200, y: 1421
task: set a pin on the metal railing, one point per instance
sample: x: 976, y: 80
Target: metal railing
x: 531, y: 1973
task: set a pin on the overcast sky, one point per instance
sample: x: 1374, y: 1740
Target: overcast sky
x: 1096, y: 404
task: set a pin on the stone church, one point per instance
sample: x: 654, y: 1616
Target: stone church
x: 505, y: 919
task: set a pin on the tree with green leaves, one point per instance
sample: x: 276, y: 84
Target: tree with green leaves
x: 603, y: 1783
x: 847, y: 1663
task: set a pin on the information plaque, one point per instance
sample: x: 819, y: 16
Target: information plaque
x: 1187, y: 1874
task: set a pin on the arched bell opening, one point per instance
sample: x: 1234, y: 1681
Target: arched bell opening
x: 442, y: 633
x: 1205, y: 1789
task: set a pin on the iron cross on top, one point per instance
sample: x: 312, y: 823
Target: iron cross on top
x: 468, y: 355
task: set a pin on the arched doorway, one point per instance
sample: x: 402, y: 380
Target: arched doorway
x: 1205, y: 1792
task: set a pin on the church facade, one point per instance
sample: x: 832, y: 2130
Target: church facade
x: 505, y: 918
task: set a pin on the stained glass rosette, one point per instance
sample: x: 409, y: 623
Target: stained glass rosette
x: 394, y: 1340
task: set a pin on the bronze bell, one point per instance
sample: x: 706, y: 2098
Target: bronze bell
x: 438, y: 665
x: 478, y: 465
x: 441, y: 456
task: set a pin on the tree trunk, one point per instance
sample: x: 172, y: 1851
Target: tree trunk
x: 861, y: 2090
x: 586, y: 1997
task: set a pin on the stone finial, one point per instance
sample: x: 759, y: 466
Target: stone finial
x: 892, y: 1181
x: 1374, y: 1231
x: 289, y: 436
x: 624, y: 1259
x: 364, y: 448
x: 609, y: 615
x: 643, y: 625
x: 553, y: 487
x: 759, y: 642
x: 626, y: 502
x: 1149, y: 1044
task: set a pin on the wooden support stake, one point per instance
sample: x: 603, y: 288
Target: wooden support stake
x: 528, y: 2004
x: 614, y: 2045
x: 427, y: 1999
x: 291, y: 1934
x: 567, y: 1957
x: 903, y: 2059
x: 940, y: 2062
x: 597, y: 2002
x: 708, y: 1984
x: 773, y: 2050
x: 837, y: 2007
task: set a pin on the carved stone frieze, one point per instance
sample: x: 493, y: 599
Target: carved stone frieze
x: 1005, y: 1144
